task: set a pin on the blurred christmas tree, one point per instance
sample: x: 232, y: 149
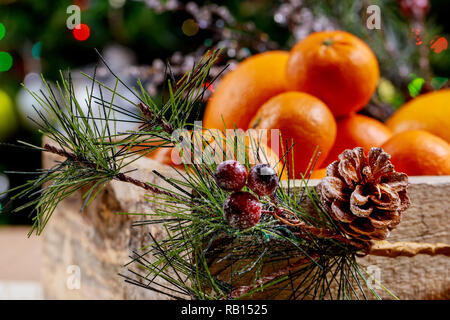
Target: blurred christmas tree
x: 137, y: 37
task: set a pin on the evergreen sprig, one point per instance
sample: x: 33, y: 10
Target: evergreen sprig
x: 203, y: 257
x: 93, y: 150
x: 292, y: 252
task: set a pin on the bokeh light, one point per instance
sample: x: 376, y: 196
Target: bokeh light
x: 36, y: 50
x: 81, y: 32
x: 2, y: 31
x: 117, y: 4
x: 4, y: 186
x: 438, y: 82
x: 83, y: 4
x: 25, y: 101
x: 190, y: 27
x: 415, y: 86
x: 8, y: 120
x: 6, y: 61
x: 386, y: 90
x: 208, y: 42
x: 208, y: 86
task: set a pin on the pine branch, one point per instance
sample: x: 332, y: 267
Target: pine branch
x: 212, y: 255
x: 94, y: 152
x: 155, y: 190
x: 147, y: 112
x: 118, y: 176
x: 301, y: 230
x: 69, y: 156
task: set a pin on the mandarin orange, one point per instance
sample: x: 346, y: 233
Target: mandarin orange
x: 243, y: 90
x: 256, y: 151
x: 429, y: 112
x: 302, y: 119
x: 335, y: 66
x: 419, y: 152
x: 355, y: 130
x: 319, y: 173
x: 195, y: 147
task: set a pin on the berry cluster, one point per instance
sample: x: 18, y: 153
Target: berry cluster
x: 241, y: 209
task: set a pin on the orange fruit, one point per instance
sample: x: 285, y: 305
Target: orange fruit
x: 164, y: 156
x: 303, y: 119
x: 234, y: 143
x: 355, y: 130
x: 144, y: 147
x: 319, y: 173
x: 335, y: 66
x: 429, y: 112
x: 254, y: 152
x: 419, y: 152
x: 243, y: 90
x: 202, y: 140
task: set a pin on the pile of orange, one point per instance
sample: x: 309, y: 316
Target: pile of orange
x: 213, y: 146
x: 303, y: 93
x: 421, y: 141
x: 312, y: 94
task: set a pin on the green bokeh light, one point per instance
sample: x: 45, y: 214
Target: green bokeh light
x: 36, y: 50
x: 415, y: 86
x: 2, y: 31
x: 8, y: 120
x: 6, y: 61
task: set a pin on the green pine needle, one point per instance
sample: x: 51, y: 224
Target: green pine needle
x: 94, y: 152
x: 199, y: 242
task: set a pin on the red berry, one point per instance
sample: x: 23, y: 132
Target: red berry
x: 262, y: 180
x: 230, y: 175
x: 242, y: 210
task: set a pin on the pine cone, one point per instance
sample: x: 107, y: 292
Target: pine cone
x: 364, y: 194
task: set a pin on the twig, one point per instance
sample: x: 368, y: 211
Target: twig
x: 385, y: 248
x: 68, y: 155
x: 124, y: 178
x: 318, y: 232
x: 119, y: 176
x: 380, y: 248
x: 149, y: 115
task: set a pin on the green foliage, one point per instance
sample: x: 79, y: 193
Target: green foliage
x: 203, y: 257
x: 94, y: 151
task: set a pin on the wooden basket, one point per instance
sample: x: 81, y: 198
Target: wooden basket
x: 99, y: 242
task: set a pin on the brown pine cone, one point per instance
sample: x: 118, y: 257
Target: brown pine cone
x: 364, y: 194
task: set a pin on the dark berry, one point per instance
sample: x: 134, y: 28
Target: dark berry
x: 262, y: 180
x: 242, y: 210
x: 230, y: 175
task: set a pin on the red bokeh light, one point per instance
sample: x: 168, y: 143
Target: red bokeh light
x: 81, y: 32
x: 208, y: 86
x: 83, y: 4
